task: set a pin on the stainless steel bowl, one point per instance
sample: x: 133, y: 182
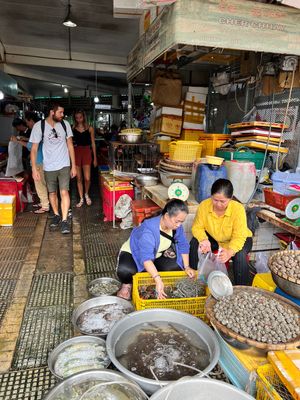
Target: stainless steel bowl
x: 98, y: 301
x: 291, y: 288
x: 72, y: 342
x: 195, y: 388
x: 131, y: 138
x: 103, y: 280
x: 74, y: 387
x: 138, y: 318
x: 147, y: 180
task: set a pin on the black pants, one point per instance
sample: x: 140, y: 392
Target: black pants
x: 127, y: 267
x: 240, y: 263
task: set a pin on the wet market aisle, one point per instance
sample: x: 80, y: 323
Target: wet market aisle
x: 43, y: 276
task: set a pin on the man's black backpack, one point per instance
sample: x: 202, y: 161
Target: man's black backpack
x: 43, y: 128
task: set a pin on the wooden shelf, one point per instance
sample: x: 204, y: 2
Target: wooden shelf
x: 159, y: 194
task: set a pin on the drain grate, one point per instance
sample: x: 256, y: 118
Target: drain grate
x: 30, y: 384
x: 50, y: 290
x: 13, y: 254
x: 42, y: 329
x: 100, y: 264
x: 10, y: 269
x: 7, y: 287
x: 101, y: 249
x: 26, y: 220
x: 108, y: 274
x: 15, y: 242
x: 3, y: 307
x: 15, y: 232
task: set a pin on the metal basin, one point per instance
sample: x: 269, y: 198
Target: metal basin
x: 137, y: 319
x: 291, y: 288
x: 74, y: 387
x: 147, y: 180
x: 104, y: 280
x: 200, y: 389
x: 73, y: 342
x: 98, y: 301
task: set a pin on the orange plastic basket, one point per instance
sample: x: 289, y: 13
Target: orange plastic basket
x: 191, y: 305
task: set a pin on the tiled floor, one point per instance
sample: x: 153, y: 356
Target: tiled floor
x: 43, y: 276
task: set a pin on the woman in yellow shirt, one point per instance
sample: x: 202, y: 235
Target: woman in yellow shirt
x: 221, y: 223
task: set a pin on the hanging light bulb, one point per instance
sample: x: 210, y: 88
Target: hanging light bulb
x: 66, y: 90
x: 69, y: 20
x: 96, y: 98
x: 1, y: 95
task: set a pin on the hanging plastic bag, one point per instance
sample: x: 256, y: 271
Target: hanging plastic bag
x: 293, y: 246
x: 261, y: 262
x: 208, y: 263
x: 14, y: 162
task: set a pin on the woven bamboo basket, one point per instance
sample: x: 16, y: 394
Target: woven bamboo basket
x: 279, y: 273
x: 209, y: 309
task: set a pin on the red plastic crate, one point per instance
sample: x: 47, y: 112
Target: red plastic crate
x: 142, y: 209
x: 277, y: 200
x: 12, y: 187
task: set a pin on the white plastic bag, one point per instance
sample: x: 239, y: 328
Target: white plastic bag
x: 208, y: 263
x: 293, y: 246
x: 123, y: 211
x: 261, y: 262
x: 14, y: 162
x: 123, y: 206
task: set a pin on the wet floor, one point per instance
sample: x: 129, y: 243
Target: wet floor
x: 43, y: 276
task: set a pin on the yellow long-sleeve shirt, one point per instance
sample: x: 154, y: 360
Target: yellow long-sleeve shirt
x: 229, y: 230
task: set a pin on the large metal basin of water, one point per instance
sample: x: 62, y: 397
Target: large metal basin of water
x: 75, y: 387
x: 200, y: 389
x: 157, y: 315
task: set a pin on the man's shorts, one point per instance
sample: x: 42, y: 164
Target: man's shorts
x: 62, y: 176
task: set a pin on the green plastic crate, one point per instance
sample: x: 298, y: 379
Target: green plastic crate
x: 242, y: 154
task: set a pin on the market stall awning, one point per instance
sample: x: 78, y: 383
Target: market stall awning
x: 234, y: 24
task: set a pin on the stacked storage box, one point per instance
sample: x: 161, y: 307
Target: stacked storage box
x: 211, y: 142
x: 194, y: 113
x: 142, y: 209
x: 168, y: 121
x: 113, y: 191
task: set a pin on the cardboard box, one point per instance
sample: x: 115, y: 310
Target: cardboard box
x: 285, y: 79
x: 270, y: 85
x: 169, y: 124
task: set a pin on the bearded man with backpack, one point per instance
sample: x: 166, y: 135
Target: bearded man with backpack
x: 56, y: 136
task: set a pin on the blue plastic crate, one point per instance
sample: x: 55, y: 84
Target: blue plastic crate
x: 238, y: 375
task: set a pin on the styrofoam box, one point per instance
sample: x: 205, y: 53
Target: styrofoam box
x: 196, y: 89
x: 195, y: 127
x: 169, y: 111
x: 195, y: 97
